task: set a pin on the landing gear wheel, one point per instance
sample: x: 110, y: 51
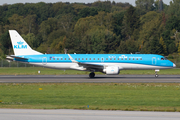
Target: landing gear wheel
x: 91, y: 75
x: 156, y: 75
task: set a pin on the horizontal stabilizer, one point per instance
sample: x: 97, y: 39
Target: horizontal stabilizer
x: 11, y: 58
x: 21, y: 58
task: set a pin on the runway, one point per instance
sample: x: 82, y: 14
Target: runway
x: 86, y: 79
x: 62, y: 114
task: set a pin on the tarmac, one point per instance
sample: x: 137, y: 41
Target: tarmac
x: 86, y: 79
x: 69, y: 114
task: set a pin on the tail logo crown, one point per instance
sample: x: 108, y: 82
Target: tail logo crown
x: 20, y: 45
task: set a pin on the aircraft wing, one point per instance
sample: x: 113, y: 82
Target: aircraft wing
x: 86, y: 65
x: 89, y: 65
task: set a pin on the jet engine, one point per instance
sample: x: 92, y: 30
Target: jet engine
x: 111, y: 70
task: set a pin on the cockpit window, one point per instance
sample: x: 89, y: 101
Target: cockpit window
x: 162, y: 58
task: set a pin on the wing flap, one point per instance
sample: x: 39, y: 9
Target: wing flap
x: 90, y: 65
x: 87, y: 66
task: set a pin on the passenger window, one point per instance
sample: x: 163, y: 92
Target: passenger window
x: 61, y: 59
x: 78, y: 58
x: 64, y: 58
x: 86, y: 59
x: 75, y: 58
x: 110, y: 58
x: 162, y: 58
x: 133, y: 58
x: 121, y: 58
x: 89, y: 58
x: 141, y: 59
x: 125, y: 58
x: 129, y: 58
x: 53, y: 58
x: 118, y: 58
x: 94, y: 58
x: 137, y: 59
x: 114, y: 58
x: 68, y: 58
x: 57, y: 58
x: 82, y: 58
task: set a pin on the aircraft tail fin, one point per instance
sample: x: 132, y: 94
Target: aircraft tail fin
x: 20, y: 46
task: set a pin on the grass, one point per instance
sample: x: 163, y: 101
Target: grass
x: 34, y: 71
x: 47, y: 71
x: 99, y: 96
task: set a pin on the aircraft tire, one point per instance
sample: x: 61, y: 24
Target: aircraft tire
x: 156, y: 75
x: 91, y: 75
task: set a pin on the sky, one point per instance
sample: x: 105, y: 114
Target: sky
x: 71, y: 1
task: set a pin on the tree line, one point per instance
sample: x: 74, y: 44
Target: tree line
x: 99, y: 27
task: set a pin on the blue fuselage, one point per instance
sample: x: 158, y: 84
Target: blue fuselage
x: 124, y: 61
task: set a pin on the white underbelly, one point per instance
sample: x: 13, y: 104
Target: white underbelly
x: 123, y: 66
x: 55, y: 65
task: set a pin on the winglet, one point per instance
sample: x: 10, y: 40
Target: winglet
x: 74, y: 61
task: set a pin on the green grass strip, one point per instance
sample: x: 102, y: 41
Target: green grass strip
x: 99, y: 96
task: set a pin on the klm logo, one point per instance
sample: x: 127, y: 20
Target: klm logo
x: 122, y: 56
x: 20, y: 45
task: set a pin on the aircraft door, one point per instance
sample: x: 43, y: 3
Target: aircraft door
x: 154, y: 61
x: 44, y: 60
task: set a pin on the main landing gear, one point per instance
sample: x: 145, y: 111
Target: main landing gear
x: 91, y: 75
x: 156, y: 75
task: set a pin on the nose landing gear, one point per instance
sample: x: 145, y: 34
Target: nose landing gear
x: 156, y: 75
x: 91, y: 75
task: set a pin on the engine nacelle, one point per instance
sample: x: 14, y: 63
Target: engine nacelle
x: 112, y: 70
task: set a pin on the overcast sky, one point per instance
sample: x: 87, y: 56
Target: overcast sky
x: 71, y: 1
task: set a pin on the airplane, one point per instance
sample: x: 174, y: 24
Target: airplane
x: 110, y: 64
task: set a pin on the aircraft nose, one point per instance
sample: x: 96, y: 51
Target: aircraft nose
x: 174, y: 65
